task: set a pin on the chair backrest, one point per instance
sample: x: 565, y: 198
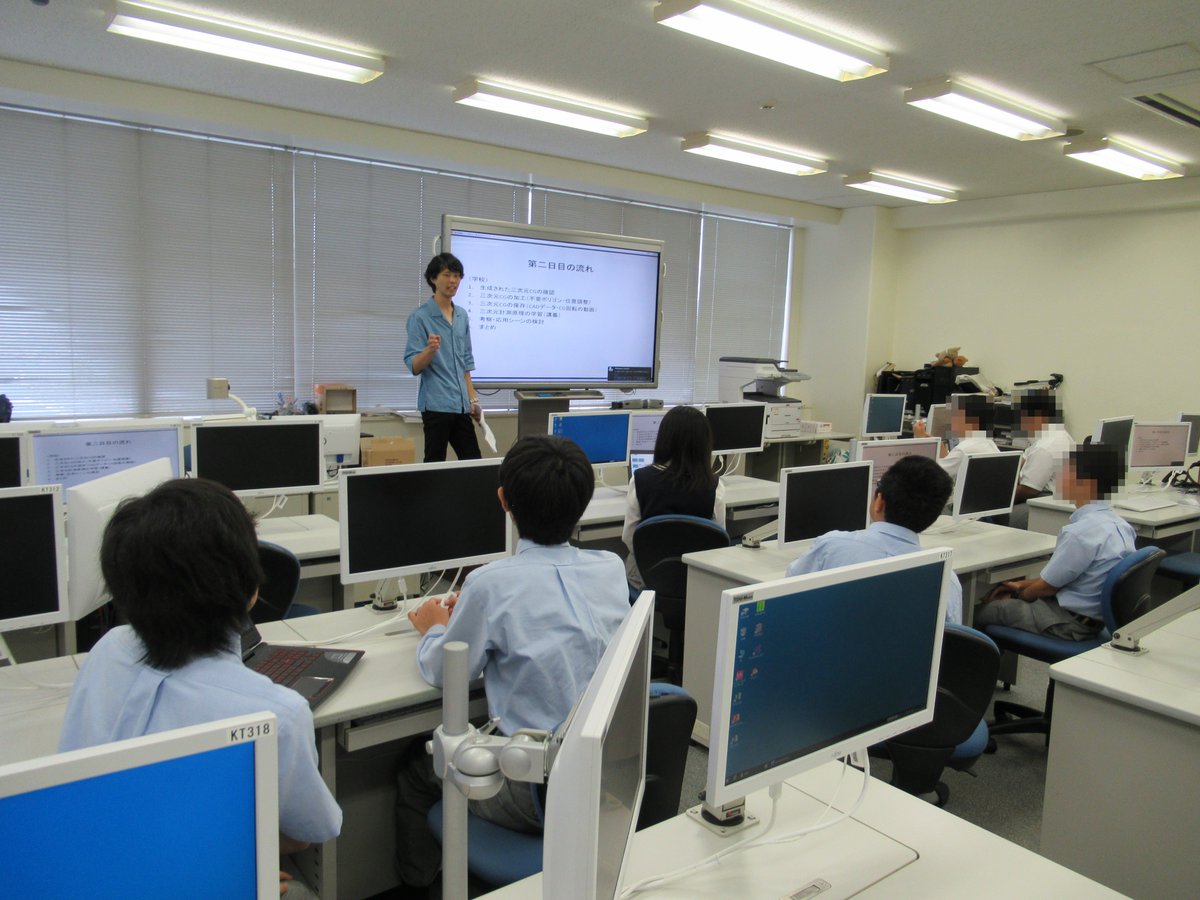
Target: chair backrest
x: 1126, y: 592
x: 276, y: 593
x: 668, y: 733
x: 659, y: 543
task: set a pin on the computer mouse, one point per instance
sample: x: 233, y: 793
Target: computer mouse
x: 751, y: 542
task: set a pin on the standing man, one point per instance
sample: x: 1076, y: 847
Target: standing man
x: 439, y: 351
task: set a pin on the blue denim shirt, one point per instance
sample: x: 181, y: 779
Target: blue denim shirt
x: 443, y: 385
x: 1093, y: 541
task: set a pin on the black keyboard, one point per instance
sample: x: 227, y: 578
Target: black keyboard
x: 284, y: 664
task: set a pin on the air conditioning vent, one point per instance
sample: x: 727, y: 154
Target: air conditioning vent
x: 1168, y: 106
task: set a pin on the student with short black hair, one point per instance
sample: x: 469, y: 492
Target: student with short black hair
x: 182, y: 566
x: 1064, y: 601
x: 971, y: 418
x: 1039, y: 417
x: 536, y: 624
x: 908, y: 499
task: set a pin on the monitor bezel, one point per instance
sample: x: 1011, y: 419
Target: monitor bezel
x: 583, y: 413
x: 718, y: 793
x: 1134, y: 467
x: 762, y: 431
x: 901, y: 398
x: 858, y: 446
x: 1100, y: 427
x: 101, y: 427
x: 60, y: 614
x: 279, y: 422
x: 645, y: 413
x: 785, y: 475
x: 961, y: 481
x: 1194, y: 437
x: 24, y: 452
x: 348, y: 577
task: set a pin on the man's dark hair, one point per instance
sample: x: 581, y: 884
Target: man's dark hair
x: 441, y: 263
x: 979, y: 409
x: 182, y: 564
x: 1039, y: 404
x: 1102, y: 463
x: 915, y: 491
x: 684, y: 446
x: 548, y: 483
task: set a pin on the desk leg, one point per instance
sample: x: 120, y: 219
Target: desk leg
x: 700, y: 642
x: 319, y: 865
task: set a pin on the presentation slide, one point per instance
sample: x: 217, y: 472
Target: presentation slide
x: 71, y: 458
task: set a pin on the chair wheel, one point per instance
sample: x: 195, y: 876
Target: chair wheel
x: 943, y: 794
x: 991, y: 746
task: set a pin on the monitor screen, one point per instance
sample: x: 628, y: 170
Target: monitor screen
x: 814, y: 667
x: 643, y: 431
x: 814, y: 500
x: 1159, y: 445
x: 937, y: 421
x: 737, y: 427
x: 12, y: 460
x: 555, y: 309
x: 986, y: 485
x: 884, y: 453
x: 883, y: 415
x: 33, y: 557
x: 197, y: 807
x: 73, y: 455
x: 1115, y: 432
x: 602, y: 434
x: 402, y: 520
x: 599, y: 773
x: 280, y: 456
x: 92, y: 505
x: 1192, y: 419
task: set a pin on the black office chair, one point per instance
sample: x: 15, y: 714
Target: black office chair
x: 1124, y: 597
x: 276, y: 593
x: 659, y: 544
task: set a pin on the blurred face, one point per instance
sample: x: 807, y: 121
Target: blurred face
x: 1031, y: 425
x: 446, y: 284
x: 1072, y: 488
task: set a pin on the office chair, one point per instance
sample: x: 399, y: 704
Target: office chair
x: 1181, y: 567
x: 277, y: 593
x: 497, y: 856
x: 1124, y: 596
x: 957, y: 735
x: 658, y: 545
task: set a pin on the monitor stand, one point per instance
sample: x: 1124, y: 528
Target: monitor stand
x: 534, y: 408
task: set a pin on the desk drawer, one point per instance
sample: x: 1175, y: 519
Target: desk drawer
x: 373, y: 730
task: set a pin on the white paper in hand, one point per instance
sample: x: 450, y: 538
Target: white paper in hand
x: 488, y: 437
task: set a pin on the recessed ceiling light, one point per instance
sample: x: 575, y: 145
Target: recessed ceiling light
x: 544, y: 107
x: 983, y: 109
x: 752, y: 153
x: 898, y: 186
x: 1118, y: 156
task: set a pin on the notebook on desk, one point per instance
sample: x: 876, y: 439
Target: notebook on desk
x: 313, y: 672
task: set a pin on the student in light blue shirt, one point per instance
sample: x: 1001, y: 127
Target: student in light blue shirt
x: 1064, y: 601
x: 908, y: 499
x: 536, y: 624
x: 439, y: 351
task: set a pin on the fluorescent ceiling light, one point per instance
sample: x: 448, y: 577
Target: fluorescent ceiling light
x: 1121, y: 157
x: 200, y: 32
x: 983, y: 109
x: 751, y: 153
x: 772, y: 36
x: 548, y: 108
x: 896, y: 186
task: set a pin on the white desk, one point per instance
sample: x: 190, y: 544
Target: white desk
x: 983, y: 555
x: 1049, y: 515
x: 1123, y: 778
x: 954, y: 858
x: 316, y: 541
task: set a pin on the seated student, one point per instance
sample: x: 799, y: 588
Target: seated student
x: 908, y: 499
x: 680, y: 481
x: 1064, y: 601
x: 1039, y: 417
x: 536, y: 623
x: 182, y: 566
x: 970, y: 424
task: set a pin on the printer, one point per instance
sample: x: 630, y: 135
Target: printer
x: 762, y: 380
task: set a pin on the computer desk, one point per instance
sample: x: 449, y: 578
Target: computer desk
x: 953, y: 858
x: 1123, y: 777
x: 316, y: 541
x: 1048, y: 515
x: 984, y: 554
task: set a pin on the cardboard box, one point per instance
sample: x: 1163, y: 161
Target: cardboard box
x: 388, y: 451
x: 337, y: 398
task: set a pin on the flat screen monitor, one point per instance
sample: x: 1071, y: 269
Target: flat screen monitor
x: 599, y: 772
x: 343, y: 436
x: 818, y: 666
x: 196, y: 807
x: 71, y: 455
x: 737, y: 427
x: 986, y: 485
x: 280, y: 456
x: 887, y: 452
x: 814, y: 500
x: 1192, y: 419
x: 33, y: 557
x: 14, y: 460
x: 552, y: 308
x: 1115, y: 432
x: 92, y: 505
x: 1159, y: 445
x: 883, y: 415
x: 643, y: 434
x: 937, y: 420
x: 602, y: 434
x: 427, y: 517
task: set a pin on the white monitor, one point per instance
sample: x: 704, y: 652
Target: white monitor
x: 70, y: 455
x: 884, y: 454
x: 426, y: 517
x: 1192, y: 419
x: 1159, y: 445
x: 883, y: 415
x: 602, y: 434
x: 92, y: 505
x: 1115, y: 432
x: 599, y: 772
x: 196, y: 808
x: 14, y: 458
x: 643, y: 430
x: 33, y: 557
x: 257, y: 459
x: 937, y: 420
x: 737, y: 427
x: 343, y: 436
x: 986, y: 485
x: 818, y: 666
x: 814, y: 500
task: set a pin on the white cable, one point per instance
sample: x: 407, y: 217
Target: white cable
x: 276, y: 504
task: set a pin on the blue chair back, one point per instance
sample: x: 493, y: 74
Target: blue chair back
x: 1126, y: 592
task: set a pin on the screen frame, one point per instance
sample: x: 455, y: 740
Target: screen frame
x: 59, y: 615
x: 24, y: 452
x: 960, y: 485
x: 278, y: 422
x: 470, y: 224
x: 1134, y: 467
x: 1194, y: 437
x: 785, y: 476
x: 101, y: 427
x: 893, y: 398
x: 762, y: 432
x: 580, y: 413
x: 718, y: 793
x: 1100, y: 427
x: 858, y: 446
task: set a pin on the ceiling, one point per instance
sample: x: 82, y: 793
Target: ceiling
x: 612, y: 52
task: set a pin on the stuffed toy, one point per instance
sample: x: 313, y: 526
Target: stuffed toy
x: 949, y: 357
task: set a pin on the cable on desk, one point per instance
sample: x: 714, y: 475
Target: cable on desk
x: 276, y: 505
